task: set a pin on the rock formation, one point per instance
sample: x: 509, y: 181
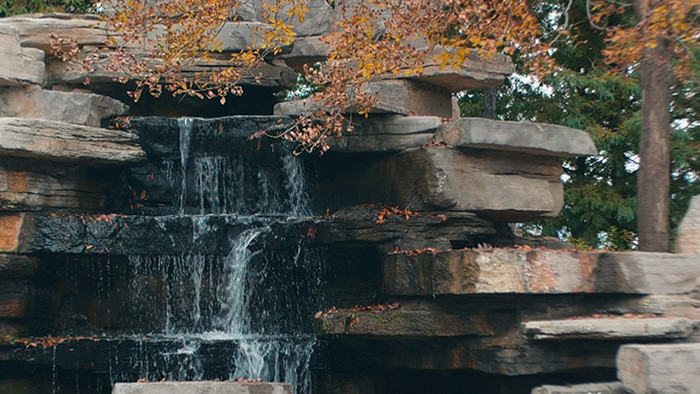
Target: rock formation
x: 105, y: 220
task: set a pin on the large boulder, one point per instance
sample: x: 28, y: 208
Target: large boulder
x: 497, y: 185
x: 70, y: 107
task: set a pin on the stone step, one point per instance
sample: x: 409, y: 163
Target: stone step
x: 586, y: 388
x: 411, y: 319
x: 65, y: 142
x: 202, y: 388
x: 668, y: 368
x: 612, y: 328
x: 513, y: 271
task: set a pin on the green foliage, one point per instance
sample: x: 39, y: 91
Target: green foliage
x: 17, y: 7
x: 600, y: 192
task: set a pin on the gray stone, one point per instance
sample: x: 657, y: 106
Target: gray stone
x: 586, y: 388
x: 70, y: 107
x: 238, y: 36
x: 504, y: 271
x: 306, y: 50
x: 35, y: 30
x: 397, y: 96
x: 612, y: 328
x: 381, y: 133
x: 535, y: 138
x: 688, y: 240
x: 319, y: 20
x: 648, y: 273
x: 20, y: 66
x: 668, y: 368
x: 202, y: 388
x: 475, y: 73
x: 17, y: 265
x: 497, y: 185
x: 64, y: 142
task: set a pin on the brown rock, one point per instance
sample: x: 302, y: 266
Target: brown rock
x: 10, y: 229
x: 61, y: 187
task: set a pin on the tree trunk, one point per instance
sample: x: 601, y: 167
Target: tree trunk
x: 654, y: 176
x: 488, y: 109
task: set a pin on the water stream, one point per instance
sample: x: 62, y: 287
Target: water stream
x: 254, y: 304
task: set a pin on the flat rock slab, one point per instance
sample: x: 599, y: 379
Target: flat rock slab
x: 264, y: 75
x: 395, y: 96
x: 475, y: 73
x: 359, y: 225
x: 497, y: 185
x: 35, y: 30
x: 64, y: 142
x: 527, y: 137
x: 202, y: 388
x: 508, y: 271
x: 411, y: 320
x: 586, y: 388
x: 669, y: 368
x: 386, y: 133
x: 19, y: 66
x: 71, y: 107
x: 612, y: 328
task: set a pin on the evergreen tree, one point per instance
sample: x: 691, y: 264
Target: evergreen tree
x: 600, y: 207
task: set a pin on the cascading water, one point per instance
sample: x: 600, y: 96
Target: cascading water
x: 255, y: 302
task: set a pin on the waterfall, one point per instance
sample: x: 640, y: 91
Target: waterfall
x: 258, y: 298
x: 185, y: 128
